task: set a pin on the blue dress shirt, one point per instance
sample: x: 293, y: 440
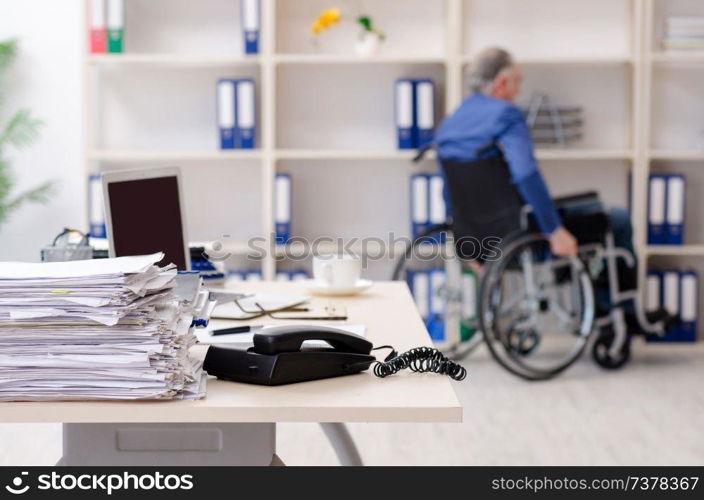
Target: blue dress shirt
x: 481, y: 120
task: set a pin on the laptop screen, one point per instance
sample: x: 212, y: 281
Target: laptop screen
x: 146, y: 218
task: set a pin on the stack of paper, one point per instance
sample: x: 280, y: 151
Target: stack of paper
x: 684, y: 33
x: 95, y: 329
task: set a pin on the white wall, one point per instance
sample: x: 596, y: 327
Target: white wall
x: 46, y: 78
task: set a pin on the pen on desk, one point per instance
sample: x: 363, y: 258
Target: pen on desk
x: 237, y: 329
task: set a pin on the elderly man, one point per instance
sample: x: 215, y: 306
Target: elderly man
x: 488, y: 124
x: 488, y: 133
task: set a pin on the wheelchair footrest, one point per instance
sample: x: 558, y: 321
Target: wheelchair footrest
x: 657, y: 316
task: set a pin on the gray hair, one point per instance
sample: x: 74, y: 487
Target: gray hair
x: 486, y: 67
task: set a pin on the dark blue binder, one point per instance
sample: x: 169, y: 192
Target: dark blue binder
x: 425, y: 111
x: 671, y: 301
x: 251, y: 22
x: 674, y: 219
x: 245, y: 134
x: 405, y: 110
x: 420, y: 204
x: 689, y: 305
x: 226, y: 105
x: 96, y: 212
x: 437, y: 211
x: 657, y: 207
x: 282, y: 208
x: 436, y: 317
x: 653, y: 290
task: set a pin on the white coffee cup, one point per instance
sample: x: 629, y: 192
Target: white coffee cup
x: 337, y: 270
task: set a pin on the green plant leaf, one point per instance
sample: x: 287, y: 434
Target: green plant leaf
x: 8, y: 52
x: 21, y: 130
x: 39, y: 194
x: 7, y: 181
x: 366, y: 22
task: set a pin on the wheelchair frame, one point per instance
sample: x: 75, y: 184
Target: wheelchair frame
x: 606, y: 252
x: 616, y: 317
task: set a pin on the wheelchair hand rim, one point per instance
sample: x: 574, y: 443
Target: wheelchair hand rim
x: 514, y: 364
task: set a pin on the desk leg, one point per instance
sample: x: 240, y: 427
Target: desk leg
x: 342, y: 443
x: 168, y: 444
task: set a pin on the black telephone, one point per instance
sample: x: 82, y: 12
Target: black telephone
x: 279, y: 356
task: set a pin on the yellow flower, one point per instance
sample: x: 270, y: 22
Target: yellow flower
x: 330, y: 16
x: 326, y: 19
x: 316, y: 27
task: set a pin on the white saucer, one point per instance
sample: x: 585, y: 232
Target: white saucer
x: 336, y: 291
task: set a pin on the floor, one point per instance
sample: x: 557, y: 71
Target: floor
x: 648, y: 413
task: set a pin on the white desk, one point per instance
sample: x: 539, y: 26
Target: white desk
x: 389, y: 313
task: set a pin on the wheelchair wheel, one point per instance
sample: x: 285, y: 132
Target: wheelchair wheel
x: 602, y: 346
x: 536, y: 309
x: 456, y: 349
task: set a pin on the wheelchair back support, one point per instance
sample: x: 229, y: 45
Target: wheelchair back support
x: 485, y: 203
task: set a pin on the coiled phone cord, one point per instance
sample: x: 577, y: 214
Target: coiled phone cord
x: 419, y: 360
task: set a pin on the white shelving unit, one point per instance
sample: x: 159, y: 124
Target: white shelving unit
x: 326, y: 115
x: 673, y: 131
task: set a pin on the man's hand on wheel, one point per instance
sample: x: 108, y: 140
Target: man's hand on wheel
x: 562, y: 243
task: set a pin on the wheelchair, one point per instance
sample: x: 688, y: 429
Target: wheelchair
x: 536, y: 311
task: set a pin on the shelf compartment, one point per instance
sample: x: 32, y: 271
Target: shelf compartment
x: 344, y: 109
x: 694, y: 203
x: 609, y: 178
x: 161, y: 26
x: 349, y: 199
x: 223, y: 203
x: 677, y: 108
x: 662, y: 9
x: 607, y: 115
x: 530, y: 29
x: 411, y: 26
x: 168, y: 110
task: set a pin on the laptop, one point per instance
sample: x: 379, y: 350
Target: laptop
x: 145, y: 214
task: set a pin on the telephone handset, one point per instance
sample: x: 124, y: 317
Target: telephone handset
x: 279, y: 356
x: 290, y: 339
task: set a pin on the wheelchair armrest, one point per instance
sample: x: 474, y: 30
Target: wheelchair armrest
x: 625, y: 255
x: 576, y: 199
